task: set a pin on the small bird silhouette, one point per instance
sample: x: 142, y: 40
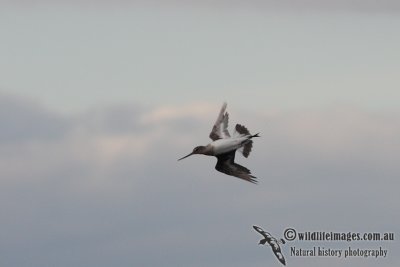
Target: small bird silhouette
x: 273, y: 242
x: 224, y: 147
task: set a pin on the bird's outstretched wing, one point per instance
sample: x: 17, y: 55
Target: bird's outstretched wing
x: 227, y: 165
x: 273, y: 242
x: 261, y: 231
x: 241, y: 130
x: 277, y: 251
x: 220, y: 128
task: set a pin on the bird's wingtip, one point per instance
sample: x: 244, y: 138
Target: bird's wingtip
x: 253, y: 179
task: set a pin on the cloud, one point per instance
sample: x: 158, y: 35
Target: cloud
x: 359, y: 6
x: 106, y: 189
x: 24, y: 119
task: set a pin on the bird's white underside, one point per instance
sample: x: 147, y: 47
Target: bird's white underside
x: 225, y: 145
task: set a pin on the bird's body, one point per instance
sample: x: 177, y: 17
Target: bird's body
x: 224, y: 147
x: 273, y: 242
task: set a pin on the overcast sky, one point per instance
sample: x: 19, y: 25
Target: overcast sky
x: 98, y: 100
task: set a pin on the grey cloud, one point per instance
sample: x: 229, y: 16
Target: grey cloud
x: 112, y: 120
x: 359, y: 6
x: 130, y: 119
x: 24, y: 120
x: 369, y: 6
x: 69, y: 204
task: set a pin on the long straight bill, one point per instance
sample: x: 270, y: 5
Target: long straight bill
x: 185, y: 156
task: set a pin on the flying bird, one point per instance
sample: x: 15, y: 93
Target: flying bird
x: 224, y: 147
x: 273, y: 242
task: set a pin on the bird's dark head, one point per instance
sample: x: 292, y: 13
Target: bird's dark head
x: 196, y: 150
x: 199, y: 150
